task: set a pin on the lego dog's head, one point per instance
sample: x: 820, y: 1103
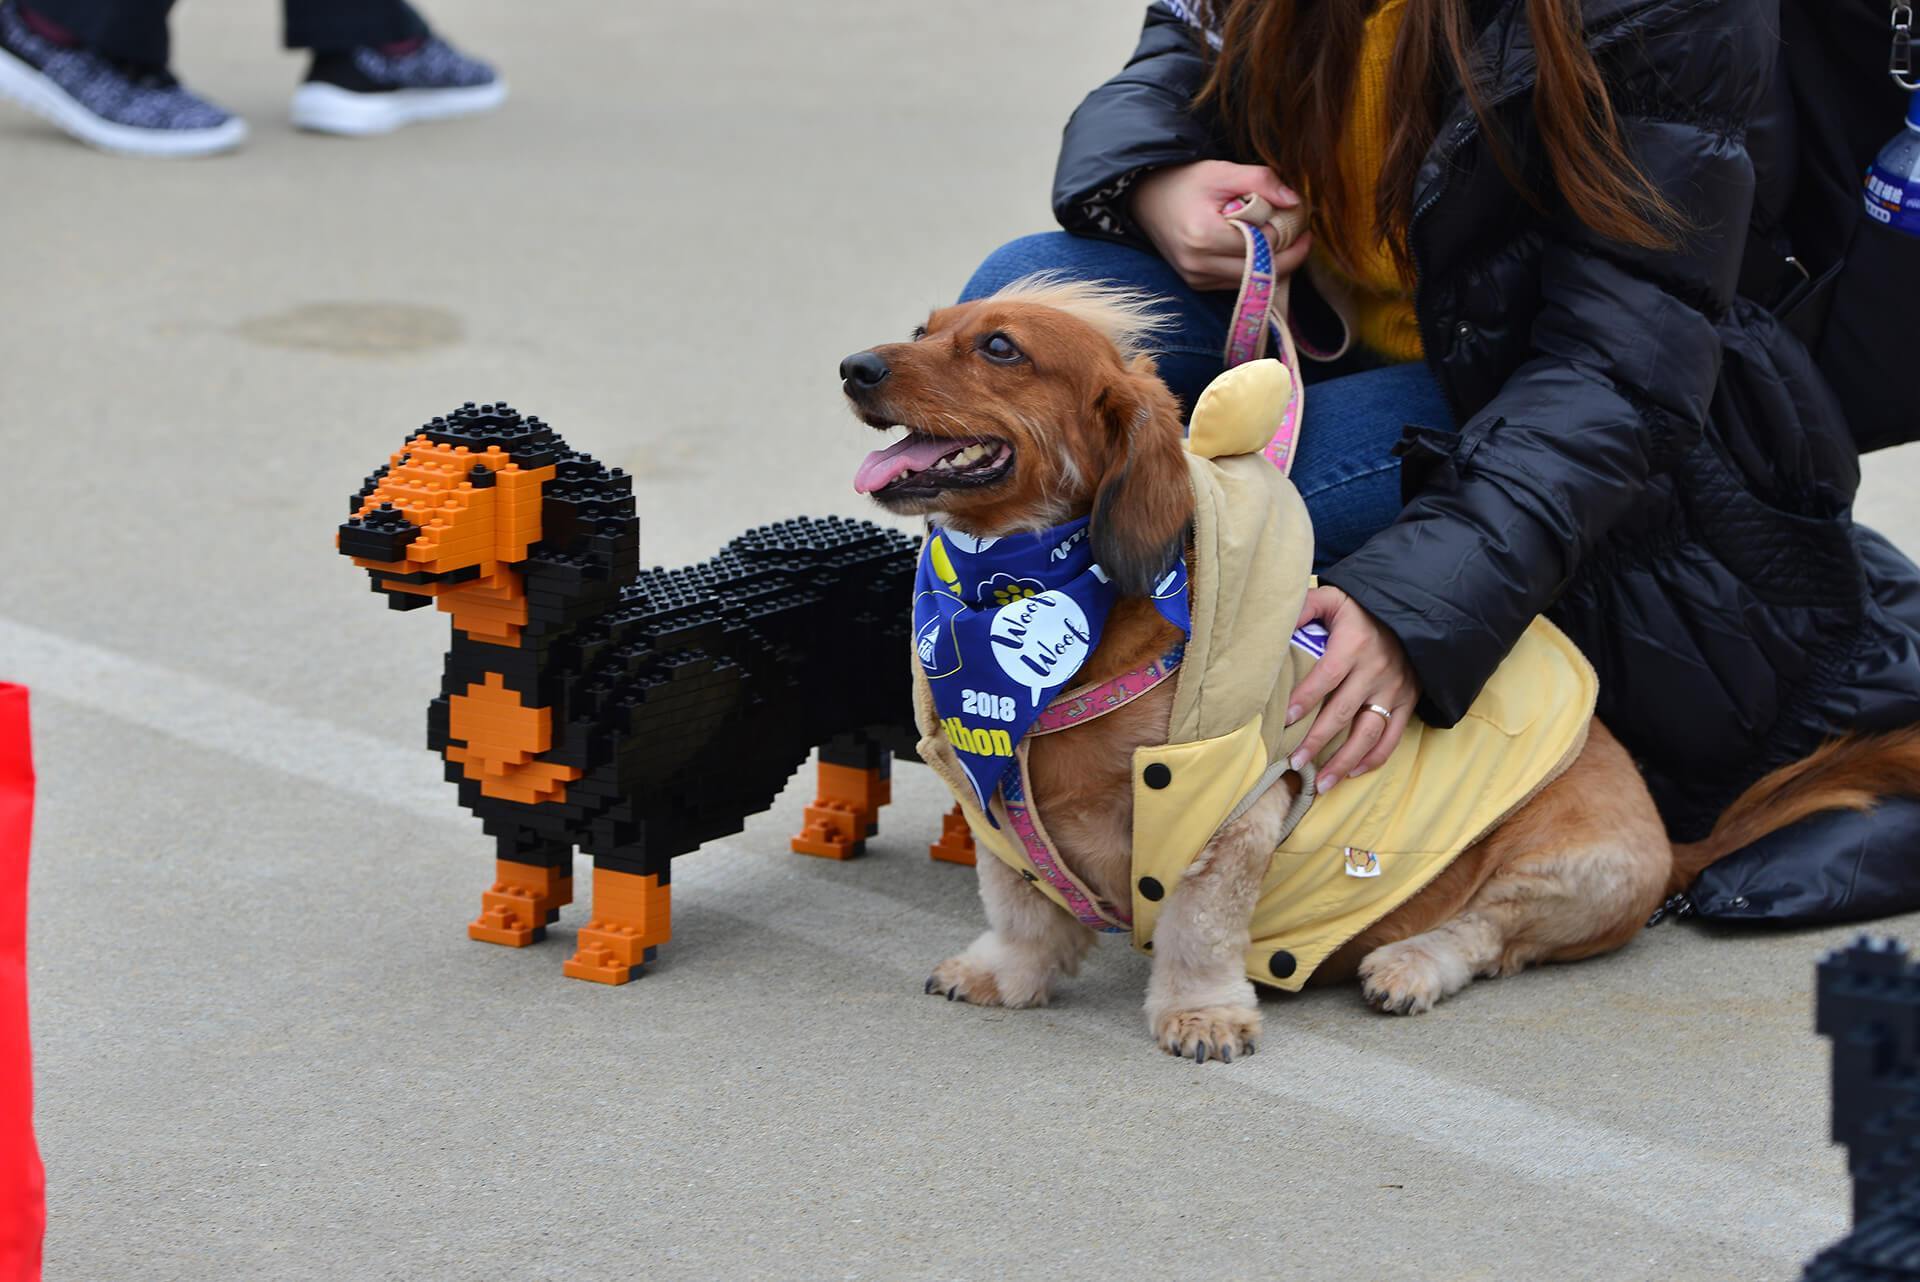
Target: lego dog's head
x: 475, y: 503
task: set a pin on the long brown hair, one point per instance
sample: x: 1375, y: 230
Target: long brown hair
x: 1283, y: 82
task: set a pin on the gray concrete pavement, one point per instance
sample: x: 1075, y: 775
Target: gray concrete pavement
x: 266, y: 1048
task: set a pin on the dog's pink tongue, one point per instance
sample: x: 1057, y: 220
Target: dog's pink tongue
x: 912, y: 453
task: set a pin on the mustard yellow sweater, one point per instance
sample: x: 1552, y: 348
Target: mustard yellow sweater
x: 1382, y: 297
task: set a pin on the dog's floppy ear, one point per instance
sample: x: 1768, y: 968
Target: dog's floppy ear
x: 1143, y: 503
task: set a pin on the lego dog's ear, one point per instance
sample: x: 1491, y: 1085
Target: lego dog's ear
x: 1143, y: 503
x: 589, y: 535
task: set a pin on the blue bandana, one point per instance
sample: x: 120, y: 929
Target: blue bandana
x: 1000, y: 625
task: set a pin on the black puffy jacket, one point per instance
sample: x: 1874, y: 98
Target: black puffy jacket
x: 1644, y: 453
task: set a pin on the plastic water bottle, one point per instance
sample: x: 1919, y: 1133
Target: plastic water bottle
x: 1893, y: 179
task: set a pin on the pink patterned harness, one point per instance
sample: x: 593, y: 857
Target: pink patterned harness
x: 1076, y: 708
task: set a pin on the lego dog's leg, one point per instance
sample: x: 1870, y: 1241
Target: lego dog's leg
x: 856, y: 779
x: 629, y: 921
x: 956, y: 840
x: 532, y: 881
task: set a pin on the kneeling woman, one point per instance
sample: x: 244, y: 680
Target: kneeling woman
x: 1563, y: 398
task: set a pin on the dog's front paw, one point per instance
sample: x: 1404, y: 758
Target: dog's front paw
x: 1212, y: 1032
x: 960, y: 979
x: 967, y: 978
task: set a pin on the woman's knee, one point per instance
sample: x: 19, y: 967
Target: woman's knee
x: 1074, y: 257
x: 1042, y: 251
x: 1188, y: 354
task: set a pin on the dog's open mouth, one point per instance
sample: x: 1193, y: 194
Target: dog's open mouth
x: 920, y: 465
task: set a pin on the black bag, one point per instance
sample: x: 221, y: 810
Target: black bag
x: 1854, y: 284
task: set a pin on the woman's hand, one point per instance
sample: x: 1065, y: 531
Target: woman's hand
x: 1179, y: 209
x: 1364, y: 665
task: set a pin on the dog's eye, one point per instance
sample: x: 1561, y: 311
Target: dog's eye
x: 919, y: 332
x: 998, y: 347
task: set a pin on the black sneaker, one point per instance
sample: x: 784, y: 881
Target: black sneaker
x: 375, y: 91
x: 115, y: 106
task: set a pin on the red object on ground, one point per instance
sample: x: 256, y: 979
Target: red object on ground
x: 23, y: 1206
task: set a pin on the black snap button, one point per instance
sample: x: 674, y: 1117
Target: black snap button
x: 1738, y: 901
x: 1463, y: 331
x: 1157, y: 775
x: 1151, y: 889
x: 1282, y: 964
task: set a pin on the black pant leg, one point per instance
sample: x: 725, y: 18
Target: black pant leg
x: 135, y: 30
x: 346, y: 24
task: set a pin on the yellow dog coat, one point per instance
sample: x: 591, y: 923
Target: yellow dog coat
x: 1351, y: 857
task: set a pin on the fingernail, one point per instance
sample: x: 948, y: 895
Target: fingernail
x: 1324, y: 784
x: 1293, y: 713
x: 1233, y: 206
x: 1298, y: 759
x: 1357, y: 772
x: 1288, y: 196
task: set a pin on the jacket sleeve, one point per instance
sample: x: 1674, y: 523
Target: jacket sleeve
x: 1625, y: 356
x: 1142, y: 119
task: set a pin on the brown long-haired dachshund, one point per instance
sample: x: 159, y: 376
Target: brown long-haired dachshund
x: 1053, y: 413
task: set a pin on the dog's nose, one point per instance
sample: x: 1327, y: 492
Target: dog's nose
x: 863, y: 371
x: 380, y: 535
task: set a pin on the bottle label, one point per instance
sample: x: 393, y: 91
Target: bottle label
x: 1892, y: 201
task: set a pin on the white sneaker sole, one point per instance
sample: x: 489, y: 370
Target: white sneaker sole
x: 26, y: 86
x: 329, y: 109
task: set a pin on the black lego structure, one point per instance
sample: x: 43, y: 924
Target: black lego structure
x: 633, y: 714
x: 1868, y: 1003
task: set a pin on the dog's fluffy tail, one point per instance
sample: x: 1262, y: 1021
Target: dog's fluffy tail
x: 1852, y: 773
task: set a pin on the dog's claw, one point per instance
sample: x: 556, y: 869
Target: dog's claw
x: 1207, y: 1034
x: 953, y: 994
x: 928, y: 986
x: 1252, y: 1047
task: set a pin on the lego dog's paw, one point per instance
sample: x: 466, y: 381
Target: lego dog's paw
x: 1211, y: 1032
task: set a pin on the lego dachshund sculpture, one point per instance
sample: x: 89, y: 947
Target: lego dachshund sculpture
x: 634, y: 715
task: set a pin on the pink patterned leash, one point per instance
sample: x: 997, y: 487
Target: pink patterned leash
x: 1261, y: 309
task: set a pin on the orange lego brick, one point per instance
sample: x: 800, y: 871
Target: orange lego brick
x: 833, y: 830
x: 630, y: 920
x: 956, y: 842
x: 499, y: 741
x: 522, y: 902
x: 846, y: 812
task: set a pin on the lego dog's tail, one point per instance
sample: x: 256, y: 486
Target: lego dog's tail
x: 1852, y: 773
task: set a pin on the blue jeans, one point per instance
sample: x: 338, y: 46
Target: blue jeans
x: 1344, y: 467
